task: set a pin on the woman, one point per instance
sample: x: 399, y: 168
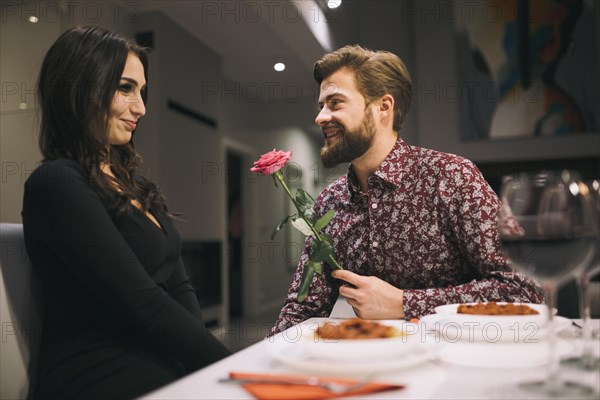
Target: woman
x: 120, y: 315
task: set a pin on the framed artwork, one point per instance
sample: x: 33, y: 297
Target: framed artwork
x: 529, y: 68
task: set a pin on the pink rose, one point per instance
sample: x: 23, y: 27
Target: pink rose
x: 271, y: 162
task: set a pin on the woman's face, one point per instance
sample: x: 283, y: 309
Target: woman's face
x: 127, y: 106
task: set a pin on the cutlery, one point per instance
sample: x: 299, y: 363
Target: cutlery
x: 595, y: 332
x: 314, y: 381
x: 576, y: 325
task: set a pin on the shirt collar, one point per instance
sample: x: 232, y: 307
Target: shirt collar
x: 393, y: 170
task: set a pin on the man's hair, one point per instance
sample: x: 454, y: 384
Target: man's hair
x: 376, y: 73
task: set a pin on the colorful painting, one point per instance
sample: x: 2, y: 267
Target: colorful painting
x: 531, y: 67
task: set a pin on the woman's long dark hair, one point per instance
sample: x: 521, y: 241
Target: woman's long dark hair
x: 77, y: 82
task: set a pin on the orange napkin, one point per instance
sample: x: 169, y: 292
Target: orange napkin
x: 272, y: 391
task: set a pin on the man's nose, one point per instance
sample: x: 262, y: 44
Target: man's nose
x: 323, y: 117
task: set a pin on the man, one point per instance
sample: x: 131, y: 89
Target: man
x: 414, y: 228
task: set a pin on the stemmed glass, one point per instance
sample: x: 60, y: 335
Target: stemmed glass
x: 546, y: 227
x: 588, y: 359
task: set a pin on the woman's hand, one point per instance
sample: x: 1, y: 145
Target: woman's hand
x: 371, y: 297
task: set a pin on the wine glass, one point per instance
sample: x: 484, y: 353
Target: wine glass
x: 546, y: 227
x: 588, y: 360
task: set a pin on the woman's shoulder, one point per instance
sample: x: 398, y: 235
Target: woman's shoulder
x: 60, y: 171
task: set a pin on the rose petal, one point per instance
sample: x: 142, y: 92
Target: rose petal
x: 271, y: 162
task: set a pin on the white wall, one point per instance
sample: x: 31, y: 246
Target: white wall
x: 398, y: 38
x: 19, y: 152
x: 183, y: 151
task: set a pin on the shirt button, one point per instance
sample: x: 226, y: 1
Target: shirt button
x: 375, y: 244
x: 374, y: 205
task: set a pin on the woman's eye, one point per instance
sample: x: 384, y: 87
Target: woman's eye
x: 126, y: 88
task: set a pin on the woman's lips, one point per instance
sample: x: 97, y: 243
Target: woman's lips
x: 130, y: 124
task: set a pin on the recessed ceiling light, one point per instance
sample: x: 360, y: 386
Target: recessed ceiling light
x: 33, y: 19
x: 334, y: 3
x: 279, y: 66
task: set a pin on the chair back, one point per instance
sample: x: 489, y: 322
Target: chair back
x: 20, y: 314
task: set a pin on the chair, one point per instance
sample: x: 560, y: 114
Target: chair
x: 20, y: 315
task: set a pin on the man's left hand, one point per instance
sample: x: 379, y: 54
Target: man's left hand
x: 371, y: 297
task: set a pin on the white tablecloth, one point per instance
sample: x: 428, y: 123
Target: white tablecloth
x: 461, y: 370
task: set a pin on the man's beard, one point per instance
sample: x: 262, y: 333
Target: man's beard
x: 351, y: 144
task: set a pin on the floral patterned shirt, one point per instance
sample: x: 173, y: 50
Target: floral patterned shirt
x: 427, y: 226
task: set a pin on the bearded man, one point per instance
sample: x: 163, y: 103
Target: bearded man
x: 414, y: 228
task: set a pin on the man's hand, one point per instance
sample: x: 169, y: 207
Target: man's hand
x: 371, y: 297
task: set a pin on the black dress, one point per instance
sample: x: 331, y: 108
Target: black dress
x: 120, y: 317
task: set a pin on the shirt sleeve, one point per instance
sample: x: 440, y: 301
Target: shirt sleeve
x: 472, y: 206
x: 67, y: 215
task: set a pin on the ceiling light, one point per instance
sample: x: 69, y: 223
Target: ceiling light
x: 33, y: 19
x: 279, y: 66
x: 333, y: 3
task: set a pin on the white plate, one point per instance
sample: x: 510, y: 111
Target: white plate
x: 294, y: 355
x: 504, y: 322
x: 362, y: 349
x: 505, y: 349
x: 443, y: 328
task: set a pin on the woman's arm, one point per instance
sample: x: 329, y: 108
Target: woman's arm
x: 63, y: 211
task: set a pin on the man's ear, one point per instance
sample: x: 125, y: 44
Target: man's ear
x: 386, y: 106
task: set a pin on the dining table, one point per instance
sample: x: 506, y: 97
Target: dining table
x: 440, y: 366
